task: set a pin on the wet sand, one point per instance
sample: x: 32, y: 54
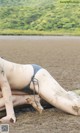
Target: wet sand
x: 61, y: 57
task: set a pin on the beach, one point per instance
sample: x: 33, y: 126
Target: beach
x: 60, y: 55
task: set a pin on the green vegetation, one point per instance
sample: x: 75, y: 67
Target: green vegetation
x: 49, y: 17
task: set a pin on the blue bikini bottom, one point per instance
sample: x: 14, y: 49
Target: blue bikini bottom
x: 36, y: 69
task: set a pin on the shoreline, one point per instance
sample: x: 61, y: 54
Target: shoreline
x: 37, y: 37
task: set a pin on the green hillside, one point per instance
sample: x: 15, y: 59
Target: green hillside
x: 55, y: 17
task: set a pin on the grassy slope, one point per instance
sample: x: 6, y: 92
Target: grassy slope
x: 50, y: 17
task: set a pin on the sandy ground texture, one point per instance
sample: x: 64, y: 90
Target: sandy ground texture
x: 61, y: 57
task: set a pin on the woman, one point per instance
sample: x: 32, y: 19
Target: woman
x: 20, y: 77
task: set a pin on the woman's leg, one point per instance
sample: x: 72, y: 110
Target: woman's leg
x: 21, y: 98
x: 54, y: 94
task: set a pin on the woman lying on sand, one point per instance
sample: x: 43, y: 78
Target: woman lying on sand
x: 14, y: 80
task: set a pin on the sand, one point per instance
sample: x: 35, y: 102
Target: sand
x: 61, y: 57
